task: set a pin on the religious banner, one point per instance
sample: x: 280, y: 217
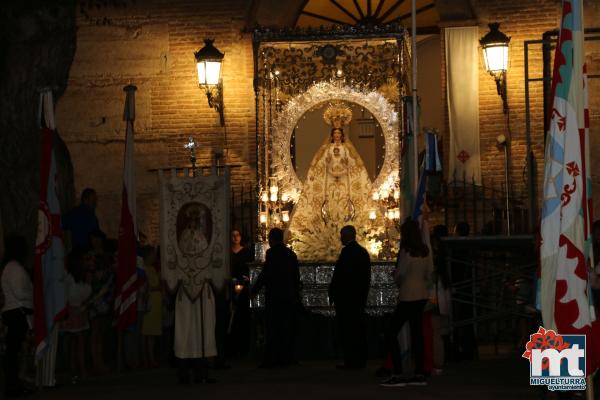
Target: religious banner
x: 462, y: 73
x: 194, y: 227
x: 566, y: 256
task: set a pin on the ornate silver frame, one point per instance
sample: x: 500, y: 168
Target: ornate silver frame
x: 319, y: 93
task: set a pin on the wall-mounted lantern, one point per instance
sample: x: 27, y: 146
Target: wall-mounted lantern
x: 209, y: 61
x: 495, y: 55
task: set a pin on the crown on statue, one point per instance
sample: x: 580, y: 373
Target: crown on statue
x: 337, y: 114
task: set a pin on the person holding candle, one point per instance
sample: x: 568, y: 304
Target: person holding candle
x: 240, y: 324
x: 280, y: 276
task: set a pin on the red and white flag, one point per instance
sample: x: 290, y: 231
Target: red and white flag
x: 49, y: 272
x: 127, y: 279
x: 566, y: 257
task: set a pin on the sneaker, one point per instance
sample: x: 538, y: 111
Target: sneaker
x: 394, y: 381
x: 417, y: 380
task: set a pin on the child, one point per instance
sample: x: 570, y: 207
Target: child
x: 79, y: 289
x: 152, y: 322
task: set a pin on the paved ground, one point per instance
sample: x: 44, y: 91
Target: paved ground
x: 482, y: 380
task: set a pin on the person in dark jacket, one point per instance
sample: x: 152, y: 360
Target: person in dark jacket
x: 348, y: 292
x: 81, y: 221
x: 281, y: 278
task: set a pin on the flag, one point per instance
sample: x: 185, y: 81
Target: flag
x: 566, y: 257
x: 431, y: 164
x: 432, y: 155
x: 49, y: 271
x: 127, y: 277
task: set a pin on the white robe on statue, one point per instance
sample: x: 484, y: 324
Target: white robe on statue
x: 195, y: 324
x: 335, y: 193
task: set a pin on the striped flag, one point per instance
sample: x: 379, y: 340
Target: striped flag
x: 127, y: 277
x: 566, y: 257
x: 49, y: 272
x: 431, y: 165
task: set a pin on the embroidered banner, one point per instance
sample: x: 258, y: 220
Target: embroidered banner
x: 194, y: 230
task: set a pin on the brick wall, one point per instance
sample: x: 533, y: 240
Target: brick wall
x: 151, y: 44
x: 521, y: 20
x: 524, y: 20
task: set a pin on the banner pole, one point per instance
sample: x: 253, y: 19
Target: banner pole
x: 414, y: 97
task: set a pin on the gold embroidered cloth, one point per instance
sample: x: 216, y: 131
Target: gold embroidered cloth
x: 335, y: 193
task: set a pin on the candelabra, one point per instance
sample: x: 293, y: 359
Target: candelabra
x: 274, y: 207
x: 388, y: 199
x: 387, y: 203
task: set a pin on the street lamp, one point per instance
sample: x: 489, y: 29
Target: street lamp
x: 495, y: 55
x: 209, y: 61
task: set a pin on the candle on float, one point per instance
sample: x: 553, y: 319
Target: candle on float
x: 390, y: 214
x: 264, y: 196
x: 274, y: 189
x: 372, y: 215
x: 373, y: 247
x: 263, y: 217
x: 285, y: 216
x: 376, y: 196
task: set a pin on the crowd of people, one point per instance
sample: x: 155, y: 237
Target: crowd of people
x: 87, y: 341
x: 90, y: 342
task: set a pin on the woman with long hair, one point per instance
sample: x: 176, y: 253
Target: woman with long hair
x: 413, y: 276
x: 240, y: 272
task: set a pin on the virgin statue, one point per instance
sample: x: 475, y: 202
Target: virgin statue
x: 192, y: 240
x: 335, y: 193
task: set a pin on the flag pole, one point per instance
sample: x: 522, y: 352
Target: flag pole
x: 415, y: 150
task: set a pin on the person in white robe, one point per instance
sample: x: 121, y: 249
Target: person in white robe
x: 194, y: 306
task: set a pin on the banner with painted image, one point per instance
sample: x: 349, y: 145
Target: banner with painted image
x: 194, y: 231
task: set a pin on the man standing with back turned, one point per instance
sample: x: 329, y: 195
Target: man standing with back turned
x: 281, y: 277
x: 348, y: 292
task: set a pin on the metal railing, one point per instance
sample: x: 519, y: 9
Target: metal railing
x: 491, y: 282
